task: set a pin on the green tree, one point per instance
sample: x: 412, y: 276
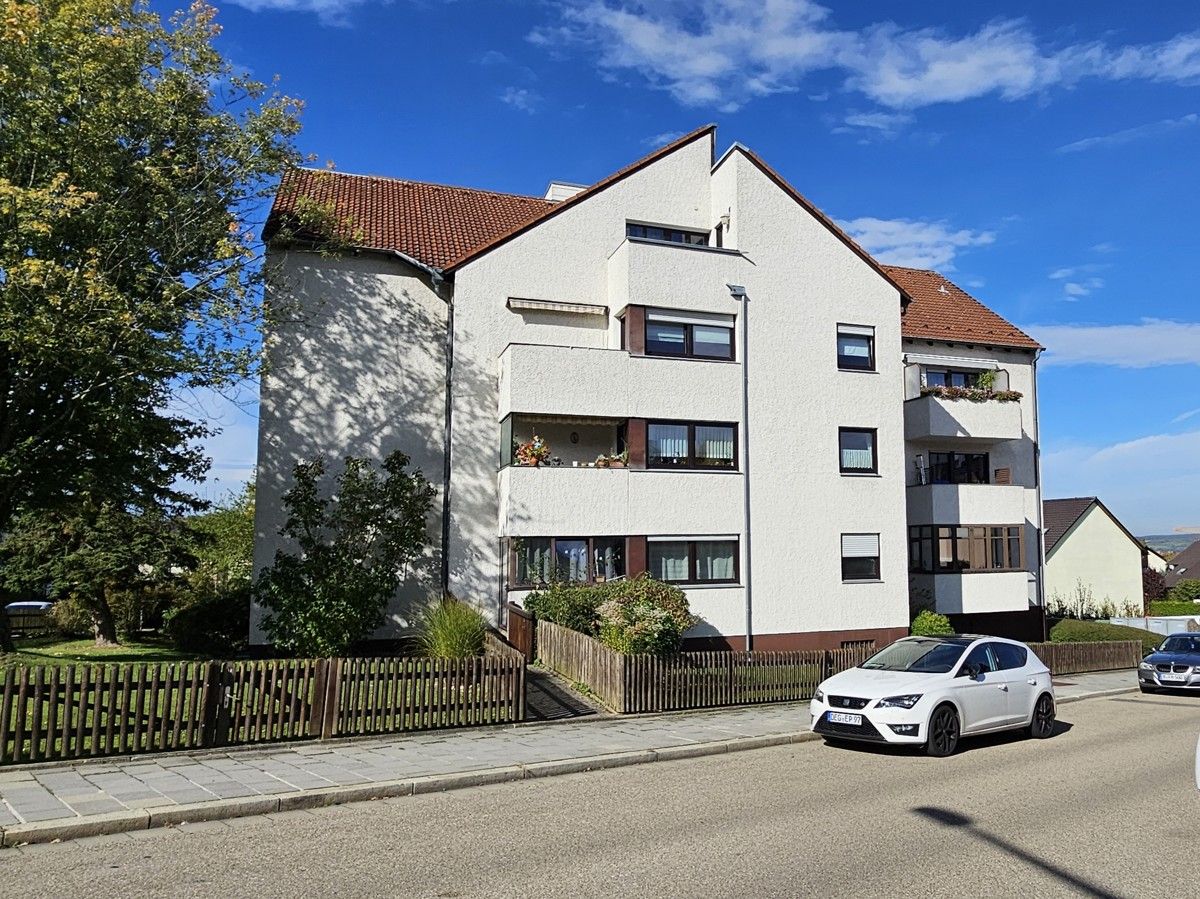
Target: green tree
x: 133, y: 159
x: 353, y: 549
x: 92, y: 554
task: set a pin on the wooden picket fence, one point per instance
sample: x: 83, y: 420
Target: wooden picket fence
x: 689, y: 680
x: 522, y: 631
x: 49, y: 713
x: 1079, y: 658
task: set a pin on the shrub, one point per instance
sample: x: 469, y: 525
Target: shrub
x: 1170, y: 607
x: 930, y: 624
x: 635, y: 616
x: 71, y: 618
x: 1072, y: 631
x: 212, y: 620
x: 1154, y: 585
x: 1185, y: 591
x: 451, y: 630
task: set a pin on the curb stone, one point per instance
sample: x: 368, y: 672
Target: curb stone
x: 61, y: 830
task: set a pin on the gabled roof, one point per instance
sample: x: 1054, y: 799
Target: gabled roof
x: 1185, y: 566
x: 1060, y: 515
x: 941, y: 310
x: 432, y: 223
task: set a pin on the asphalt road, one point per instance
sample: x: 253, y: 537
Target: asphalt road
x: 1107, y: 807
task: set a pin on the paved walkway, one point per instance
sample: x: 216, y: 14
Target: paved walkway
x: 99, y: 796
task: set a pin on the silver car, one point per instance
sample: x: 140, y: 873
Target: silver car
x: 1173, y: 666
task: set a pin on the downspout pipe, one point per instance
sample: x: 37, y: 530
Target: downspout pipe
x: 738, y: 292
x: 1037, y: 482
x: 445, y: 291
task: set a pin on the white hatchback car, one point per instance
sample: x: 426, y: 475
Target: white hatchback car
x: 931, y: 690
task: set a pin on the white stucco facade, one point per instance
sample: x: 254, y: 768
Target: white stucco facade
x: 541, y: 342
x: 1096, y: 562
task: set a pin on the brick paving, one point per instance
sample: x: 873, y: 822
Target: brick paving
x: 94, y: 787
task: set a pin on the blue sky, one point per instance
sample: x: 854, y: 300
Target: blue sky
x: 1041, y: 155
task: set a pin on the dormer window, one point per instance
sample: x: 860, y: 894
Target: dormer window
x: 670, y: 235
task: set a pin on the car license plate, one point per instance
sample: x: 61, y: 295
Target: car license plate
x: 1173, y: 678
x: 844, y: 718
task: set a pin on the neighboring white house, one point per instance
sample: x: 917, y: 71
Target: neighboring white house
x: 697, y: 321
x: 1092, y: 560
x: 1155, y: 561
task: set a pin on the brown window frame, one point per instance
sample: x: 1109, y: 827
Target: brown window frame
x: 874, y: 469
x: 979, y: 543
x: 688, y: 344
x: 691, y: 440
x: 514, y: 584
x: 666, y: 229
x: 693, y: 579
x: 933, y: 466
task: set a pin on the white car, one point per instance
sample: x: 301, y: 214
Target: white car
x: 929, y: 691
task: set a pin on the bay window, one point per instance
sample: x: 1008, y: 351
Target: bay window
x: 949, y: 549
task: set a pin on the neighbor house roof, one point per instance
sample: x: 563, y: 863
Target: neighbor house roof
x: 1185, y: 566
x: 941, y: 310
x: 1060, y: 515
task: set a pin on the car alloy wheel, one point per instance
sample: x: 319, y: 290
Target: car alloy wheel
x: 943, y: 732
x: 1042, y: 724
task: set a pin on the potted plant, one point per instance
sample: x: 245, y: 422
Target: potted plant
x: 602, y: 461
x: 618, y: 461
x: 534, y: 452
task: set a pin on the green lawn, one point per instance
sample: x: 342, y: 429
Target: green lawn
x: 59, y: 651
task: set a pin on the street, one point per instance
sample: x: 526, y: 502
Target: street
x: 1107, y: 807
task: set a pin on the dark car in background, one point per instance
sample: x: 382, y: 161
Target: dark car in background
x: 1173, y: 666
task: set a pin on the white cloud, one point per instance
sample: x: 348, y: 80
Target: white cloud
x: 1150, y: 483
x: 885, y: 124
x: 1148, y: 343
x: 913, y: 243
x: 1184, y: 416
x: 1060, y: 273
x: 1105, y: 247
x: 1076, y: 289
x: 1128, y: 135
x: 726, y: 54
x: 658, y: 140
x: 330, y: 12
x: 521, y: 98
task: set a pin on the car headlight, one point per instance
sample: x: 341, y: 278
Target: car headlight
x: 1146, y: 666
x: 819, y: 696
x: 899, y: 702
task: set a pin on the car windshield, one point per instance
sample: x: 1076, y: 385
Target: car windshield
x: 928, y: 656
x: 1181, y: 643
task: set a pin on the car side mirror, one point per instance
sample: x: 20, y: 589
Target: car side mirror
x: 971, y: 671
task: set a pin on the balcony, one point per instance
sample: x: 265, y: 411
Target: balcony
x: 549, y: 500
x: 984, y: 591
x: 965, y: 503
x: 932, y: 418
x: 602, y: 383
x: 675, y: 276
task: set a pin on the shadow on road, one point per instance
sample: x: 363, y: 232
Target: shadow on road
x: 965, y: 744
x: 967, y: 826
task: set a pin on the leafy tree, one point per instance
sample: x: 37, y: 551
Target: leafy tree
x: 1154, y: 585
x: 132, y: 159
x: 353, y: 548
x: 93, y: 554
x: 1186, y: 590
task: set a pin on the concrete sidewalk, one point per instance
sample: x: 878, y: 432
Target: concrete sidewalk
x: 66, y: 800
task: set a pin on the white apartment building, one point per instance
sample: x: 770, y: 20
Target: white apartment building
x: 728, y: 388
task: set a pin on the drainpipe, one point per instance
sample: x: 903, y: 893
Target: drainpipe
x: 1037, y: 483
x: 738, y: 292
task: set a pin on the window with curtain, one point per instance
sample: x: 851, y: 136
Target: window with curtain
x: 693, y: 561
x: 716, y: 560
x: 669, y: 560
x: 860, y: 557
x: 672, y: 444
x: 856, y: 348
x: 536, y: 561
x: 856, y: 447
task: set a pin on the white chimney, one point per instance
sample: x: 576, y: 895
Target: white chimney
x: 562, y: 190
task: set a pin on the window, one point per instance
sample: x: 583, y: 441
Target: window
x: 672, y: 235
x: 693, y: 561
x: 684, y: 445
x: 1009, y: 656
x: 950, y: 377
x: 958, y: 468
x: 980, y: 657
x: 541, y: 560
x: 855, y: 348
x: 860, y: 557
x: 695, y: 335
x: 965, y: 548
x: 856, y: 451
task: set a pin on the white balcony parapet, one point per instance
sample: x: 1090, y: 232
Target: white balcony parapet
x: 674, y: 276
x: 966, y: 504
x: 559, y: 380
x: 980, y: 591
x: 561, y: 501
x: 931, y: 418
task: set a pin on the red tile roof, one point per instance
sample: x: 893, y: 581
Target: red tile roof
x: 433, y: 223
x: 941, y: 310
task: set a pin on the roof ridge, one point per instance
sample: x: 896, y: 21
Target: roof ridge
x: 394, y: 180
